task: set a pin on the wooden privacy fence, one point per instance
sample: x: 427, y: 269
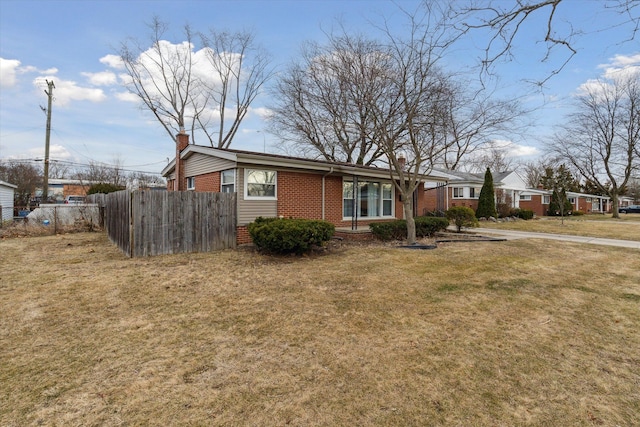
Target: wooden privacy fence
x: 145, y: 223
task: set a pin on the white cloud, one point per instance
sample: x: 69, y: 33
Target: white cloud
x: 8, y: 71
x: 56, y: 151
x: 67, y: 90
x: 622, y: 61
x: 512, y: 149
x: 262, y: 112
x: 517, y: 150
x: 112, y: 61
x: 127, y: 97
x: 104, y: 78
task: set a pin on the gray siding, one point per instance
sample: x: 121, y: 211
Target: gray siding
x: 6, y: 201
x: 198, y: 164
x: 248, y: 210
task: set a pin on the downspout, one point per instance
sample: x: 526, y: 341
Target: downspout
x: 323, y: 176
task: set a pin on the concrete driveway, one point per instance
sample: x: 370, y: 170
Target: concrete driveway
x: 512, y: 235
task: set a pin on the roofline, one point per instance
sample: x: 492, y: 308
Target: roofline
x: 243, y: 158
x: 8, y: 185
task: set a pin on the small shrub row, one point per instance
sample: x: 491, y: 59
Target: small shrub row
x: 289, y: 235
x: 397, y: 230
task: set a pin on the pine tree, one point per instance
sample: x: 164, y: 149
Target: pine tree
x: 487, y: 200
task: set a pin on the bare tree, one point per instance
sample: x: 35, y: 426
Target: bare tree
x: 97, y: 172
x: 26, y: 176
x: 207, y: 91
x: 601, y: 138
x: 505, y: 20
x: 410, y: 114
x: 473, y: 119
x: 323, y: 101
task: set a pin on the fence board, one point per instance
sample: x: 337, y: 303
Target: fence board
x: 147, y: 223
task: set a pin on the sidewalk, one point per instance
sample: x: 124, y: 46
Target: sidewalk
x: 512, y: 235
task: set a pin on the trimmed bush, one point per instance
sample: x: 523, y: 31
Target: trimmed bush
x: 462, y: 216
x: 288, y: 235
x: 397, y: 230
x: 525, y: 214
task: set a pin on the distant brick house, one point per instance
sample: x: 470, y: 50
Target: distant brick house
x: 60, y: 188
x: 538, y: 201
x: 270, y: 185
x: 463, y: 189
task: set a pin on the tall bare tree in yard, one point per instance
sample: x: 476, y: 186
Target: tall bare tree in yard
x: 208, y: 91
x: 323, y: 101
x: 602, y: 137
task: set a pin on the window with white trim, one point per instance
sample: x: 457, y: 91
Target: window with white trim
x: 191, y: 183
x: 572, y: 200
x: 474, y: 192
x: 373, y: 199
x: 546, y: 200
x: 458, y: 192
x: 260, y: 184
x: 526, y: 197
x: 228, y: 181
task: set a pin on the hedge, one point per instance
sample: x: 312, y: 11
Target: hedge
x: 289, y: 235
x: 397, y: 230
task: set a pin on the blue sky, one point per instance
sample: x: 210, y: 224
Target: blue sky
x: 64, y: 41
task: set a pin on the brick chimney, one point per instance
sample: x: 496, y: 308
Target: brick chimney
x: 402, y: 161
x: 182, y: 141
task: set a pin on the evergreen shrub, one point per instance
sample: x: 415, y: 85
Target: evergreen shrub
x: 525, y: 214
x: 397, y: 230
x: 289, y: 235
x: 462, y: 216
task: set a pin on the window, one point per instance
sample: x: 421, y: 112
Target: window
x: 474, y: 193
x: 387, y: 200
x: 191, y: 183
x: 260, y: 184
x: 525, y: 197
x: 458, y: 192
x: 546, y: 200
x: 228, y: 181
x: 373, y: 199
x: 572, y: 200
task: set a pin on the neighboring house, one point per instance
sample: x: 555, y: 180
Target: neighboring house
x: 538, y: 201
x: 6, y: 200
x: 463, y: 189
x: 61, y: 188
x: 270, y: 185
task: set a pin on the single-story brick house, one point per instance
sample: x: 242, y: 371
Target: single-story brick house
x: 6, y: 200
x: 463, y: 189
x: 538, y: 201
x: 271, y: 185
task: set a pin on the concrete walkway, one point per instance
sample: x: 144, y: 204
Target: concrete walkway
x: 512, y: 235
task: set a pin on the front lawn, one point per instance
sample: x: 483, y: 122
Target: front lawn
x: 484, y: 334
x: 625, y: 228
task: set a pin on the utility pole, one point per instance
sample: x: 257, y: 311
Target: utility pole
x: 45, y: 184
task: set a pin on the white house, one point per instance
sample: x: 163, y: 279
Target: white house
x: 6, y: 200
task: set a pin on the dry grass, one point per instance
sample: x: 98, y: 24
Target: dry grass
x: 485, y: 334
x: 625, y: 228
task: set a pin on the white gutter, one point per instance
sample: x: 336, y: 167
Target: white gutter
x: 330, y: 171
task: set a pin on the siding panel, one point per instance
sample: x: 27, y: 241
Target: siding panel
x: 198, y: 164
x: 248, y: 210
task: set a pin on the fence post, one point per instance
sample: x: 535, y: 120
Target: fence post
x: 131, y: 234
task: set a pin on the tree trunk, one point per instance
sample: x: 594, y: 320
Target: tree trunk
x: 614, y: 206
x: 411, y: 223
